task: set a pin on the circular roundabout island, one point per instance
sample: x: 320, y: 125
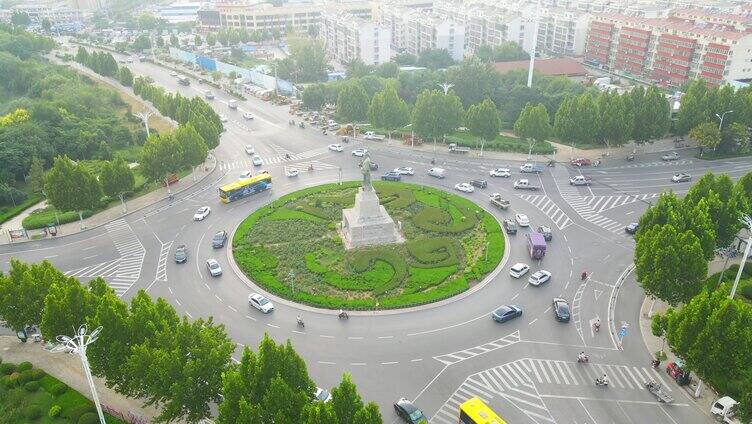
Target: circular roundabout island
x: 293, y: 248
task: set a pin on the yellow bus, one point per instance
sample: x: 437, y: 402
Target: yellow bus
x: 474, y: 411
x: 245, y: 187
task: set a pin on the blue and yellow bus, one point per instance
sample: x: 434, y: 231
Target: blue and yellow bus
x: 474, y: 411
x: 246, y: 187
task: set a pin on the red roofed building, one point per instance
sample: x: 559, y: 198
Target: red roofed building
x: 563, y: 66
x: 688, y: 45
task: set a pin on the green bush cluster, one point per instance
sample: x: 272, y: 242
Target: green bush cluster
x: 433, y: 252
x: 78, y: 411
x: 362, y: 261
x: 32, y: 412
x: 24, y: 366
x: 54, y: 411
x: 394, y: 197
x: 7, y: 369
x: 88, y: 418
x: 747, y: 291
x: 421, y: 279
x: 46, y: 217
x: 284, y: 214
x: 31, y: 386
x: 58, y: 389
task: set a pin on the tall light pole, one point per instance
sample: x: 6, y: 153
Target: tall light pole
x: 535, y: 46
x: 77, y: 345
x: 720, y: 125
x: 746, y: 220
x: 145, y: 117
x: 446, y: 86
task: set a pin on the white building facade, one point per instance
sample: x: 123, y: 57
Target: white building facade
x: 348, y: 38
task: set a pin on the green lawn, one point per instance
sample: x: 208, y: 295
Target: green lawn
x: 450, y: 245
x: 723, y: 155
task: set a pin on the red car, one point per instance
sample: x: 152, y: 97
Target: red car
x: 677, y: 372
x: 580, y: 162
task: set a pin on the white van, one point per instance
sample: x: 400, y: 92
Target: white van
x: 437, y: 172
x: 232, y: 104
x: 723, y: 410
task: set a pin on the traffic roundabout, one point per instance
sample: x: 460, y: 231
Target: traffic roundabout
x: 292, y: 248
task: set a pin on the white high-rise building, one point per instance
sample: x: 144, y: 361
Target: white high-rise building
x: 348, y: 38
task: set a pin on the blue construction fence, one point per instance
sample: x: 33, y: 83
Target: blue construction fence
x: 255, y: 77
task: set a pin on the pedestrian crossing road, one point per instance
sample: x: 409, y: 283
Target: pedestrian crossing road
x: 283, y: 156
x: 604, y: 203
x: 521, y: 383
x: 585, y: 210
x: 549, y: 208
x: 123, y: 272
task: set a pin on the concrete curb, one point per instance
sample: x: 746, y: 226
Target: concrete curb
x: 284, y: 301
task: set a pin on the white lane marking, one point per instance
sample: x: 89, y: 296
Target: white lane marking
x: 532, y: 322
x: 219, y: 298
x: 326, y: 336
x: 51, y: 256
x: 298, y: 332
x: 416, y: 360
x: 355, y: 338
x: 207, y: 286
x: 515, y: 296
x: 87, y: 248
x: 234, y: 360
x: 358, y: 364
x: 250, y: 317
x: 189, y: 314
x: 386, y: 337
x: 178, y: 302
x: 325, y: 362
x: 272, y: 325
x: 389, y: 363
x: 89, y: 257
x: 170, y: 289
x: 231, y: 308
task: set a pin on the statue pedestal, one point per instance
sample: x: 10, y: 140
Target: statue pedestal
x: 368, y: 223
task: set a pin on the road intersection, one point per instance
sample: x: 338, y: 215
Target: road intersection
x: 441, y: 354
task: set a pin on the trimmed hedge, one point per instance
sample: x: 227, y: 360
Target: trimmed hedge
x: 24, y: 366
x: 32, y: 412
x: 46, y: 217
x: 54, y: 411
x: 7, y: 369
x: 433, y: 252
x: 31, y: 386
x: 88, y: 418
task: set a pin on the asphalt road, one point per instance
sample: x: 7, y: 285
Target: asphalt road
x: 525, y: 369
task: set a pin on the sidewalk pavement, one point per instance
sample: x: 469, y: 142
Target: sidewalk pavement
x: 654, y: 344
x: 67, y: 368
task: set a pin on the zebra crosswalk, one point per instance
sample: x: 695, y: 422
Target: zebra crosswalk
x: 520, y: 383
x: 123, y: 272
x: 462, y: 355
x: 572, y: 196
x: 283, y: 156
x: 654, y: 164
x: 549, y: 208
x: 604, y: 203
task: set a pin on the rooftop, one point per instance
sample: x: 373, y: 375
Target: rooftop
x: 688, y: 27
x: 562, y: 66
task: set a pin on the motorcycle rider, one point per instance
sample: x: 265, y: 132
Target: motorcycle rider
x: 582, y: 357
x: 597, y: 324
x: 603, y: 380
x: 300, y: 321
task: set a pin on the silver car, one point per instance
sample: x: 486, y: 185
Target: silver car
x: 213, y: 266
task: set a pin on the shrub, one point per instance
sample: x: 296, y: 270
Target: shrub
x: 25, y: 376
x: 88, y: 418
x: 7, y: 382
x: 433, y: 252
x: 79, y: 410
x: 24, y: 366
x: 747, y: 292
x: 7, y: 369
x: 58, y: 389
x: 37, y: 374
x: 32, y: 412
x: 31, y: 386
x: 54, y: 411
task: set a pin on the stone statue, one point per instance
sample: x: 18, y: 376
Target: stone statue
x: 365, y: 168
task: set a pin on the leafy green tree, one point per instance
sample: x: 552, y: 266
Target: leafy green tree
x: 211, y: 39
x: 658, y: 326
x: 707, y: 135
x: 533, y: 125
x: 192, y: 144
x: 36, y: 175
x: 174, y: 42
x: 20, y: 18
x: 577, y: 120
x: 734, y: 137
x: 651, y: 114
x: 356, y: 68
x: 405, y: 59
x: 387, y: 70
x: 744, y: 188
x: 209, y: 132
x: 482, y: 120
x: 160, y: 157
x: 23, y: 290
x: 66, y: 307
x: 388, y: 111
x: 197, y: 40
x: 352, y: 102
x: 725, y: 204
x: 117, y: 179
x: 82, y: 56
x: 114, y: 347
x: 616, y: 119
x: 670, y: 265
x: 693, y: 109
x: 141, y: 43
x: 368, y: 415
x: 346, y: 401
x: 314, y: 96
x: 160, y: 41
x: 70, y: 187
x: 125, y: 76
x: 318, y: 413
x: 435, y: 59
x: 436, y: 114
x: 473, y: 80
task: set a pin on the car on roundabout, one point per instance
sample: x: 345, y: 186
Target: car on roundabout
x: 181, y: 254
x: 213, y: 266
x: 561, y: 309
x: 250, y: 150
x: 681, y: 177
x: 506, y: 312
x: 391, y: 176
x: 548, y: 234
x: 464, y: 187
x: 336, y: 147
x: 219, y: 239
x: 248, y: 116
x: 510, y: 226
x: 322, y: 395
x: 409, y: 412
x: 522, y: 220
x: 479, y: 183
x: 359, y: 152
x: 260, y: 302
x: 222, y: 118
x: 256, y: 160
x: 500, y: 172
x: 539, y: 277
x: 292, y: 172
x: 404, y: 170
x: 201, y: 213
x: 519, y: 269
x: 173, y: 74
x: 631, y: 228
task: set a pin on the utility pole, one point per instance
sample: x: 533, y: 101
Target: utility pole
x: 747, y: 221
x: 276, y: 94
x: 535, y: 46
x: 145, y: 118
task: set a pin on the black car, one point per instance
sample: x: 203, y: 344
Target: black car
x: 479, y: 183
x: 409, y: 412
x: 561, y: 310
x: 506, y: 312
x: 510, y: 226
x: 181, y: 254
x: 391, y: 176
x: 631, y: 228
x: 219, y: 239
x: 546, y: 231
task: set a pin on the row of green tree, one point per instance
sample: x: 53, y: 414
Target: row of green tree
x: 104, y: 64
x: 146, y: 350
x: 23, y: 44
x: 675, y: 242
x: 182, y: 109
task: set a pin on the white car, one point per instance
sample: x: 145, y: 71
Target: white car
x: 201, y: 213
x: 129, y: 60
x: 465, y: 187
x: 322, y: 395
x: 247, y: 115
x: 222, y: 118
x: 404, y: 170
x: 519, y: 269
x: 213, y: 266
x: 249, y: 150
x: 260, y: 302
x: 336, y: 147
x: 522, y: 220
x: 256, y: 160
x: 245, y: 175
x: 681, y: 177
x: 359, y: 152
x: 539, y: 277
x: 292, y: 172
x: 173, y: 74
x: 500, y: 172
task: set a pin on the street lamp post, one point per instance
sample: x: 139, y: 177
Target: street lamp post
x: 720, y: 125
x: 747, y: 220
x: 145, y: 117
x: 446, y: 86
x: 77, y: 345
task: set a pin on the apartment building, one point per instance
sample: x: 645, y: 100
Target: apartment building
x: 426, y: 30
x: 671, y: 51
x: 563, y: 32
x: 58, y: 13
x: 267, y: 17
x: 347, y: 38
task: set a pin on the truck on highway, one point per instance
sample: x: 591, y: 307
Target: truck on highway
x: 723, y: 410
x: 454, y: 148
x: 536, y: 245
x: 498, y: 201
x: 524, y: 184
x: 370, y: 135
x: 580, y: 180
x: 534, y: 168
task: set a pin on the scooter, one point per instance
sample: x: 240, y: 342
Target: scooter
x: 301, y: 323
x: 597, y: 326
x: 584, y: 275
x: 583, y: 359
x: 551, y: 164
x: 310, y: 168
x: 630, y: 157
x: 601, y: 382
x: 343, y: 315
x: 655, y: 363
x: 291, y: 122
